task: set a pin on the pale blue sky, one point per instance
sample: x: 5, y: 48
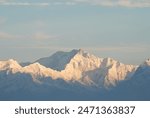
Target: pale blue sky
x: 30, y: 29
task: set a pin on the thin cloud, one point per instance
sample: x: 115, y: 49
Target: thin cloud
x: 23, y: 4
x: 33, y: 3
x: 117, y: 3
x: 106, y: 3
x: 18, y: 3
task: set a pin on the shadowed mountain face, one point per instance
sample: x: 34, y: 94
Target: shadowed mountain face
x: 59, y: 60
x: 74, y: 75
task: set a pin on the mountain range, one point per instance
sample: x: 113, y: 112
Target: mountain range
x: 74, y: 75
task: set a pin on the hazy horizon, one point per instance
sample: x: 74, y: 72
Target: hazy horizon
x: 118, y: 29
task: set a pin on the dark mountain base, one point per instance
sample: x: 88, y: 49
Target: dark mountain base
x: 60, y: 95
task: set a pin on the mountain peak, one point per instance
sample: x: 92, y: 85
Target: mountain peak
x: 81, y: 51
x: 77, y: 51
x: 108, y: 62
x: 12, y: 60
x: 147, y: 63
x: 36, y: 64
x: 9, y: 64
x: 58, y: 60
x: 76, y: 65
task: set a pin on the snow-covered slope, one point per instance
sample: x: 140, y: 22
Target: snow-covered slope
x: 93, y: 70
x: 88, y: 69
x: 116, y: 71
x: 38, y: 71
x: 76, y: 65
x: 10, y: 65
x: 137, y: 87
x: 79, y: 64
x: 76, y: 71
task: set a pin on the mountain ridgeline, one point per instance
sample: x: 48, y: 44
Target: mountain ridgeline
x: 74, y: 75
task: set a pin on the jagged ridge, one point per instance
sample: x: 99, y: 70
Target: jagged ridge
x: 76, y: 65
x: 83, y: 76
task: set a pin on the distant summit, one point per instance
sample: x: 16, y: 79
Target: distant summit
x: 10, y: 64
x: 76, y: 65
x: 147, y: 63
x: 58, y: 60
x: 77, y: 72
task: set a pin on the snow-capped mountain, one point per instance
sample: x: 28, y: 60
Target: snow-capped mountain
x: 143, y: 71
x: 146, y: 63
x: 136, y: 88
x: 86, y: 68
x: 76, y: 71
x: 58, y: 60
x: 76, y: 65
x: 10, y: 64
